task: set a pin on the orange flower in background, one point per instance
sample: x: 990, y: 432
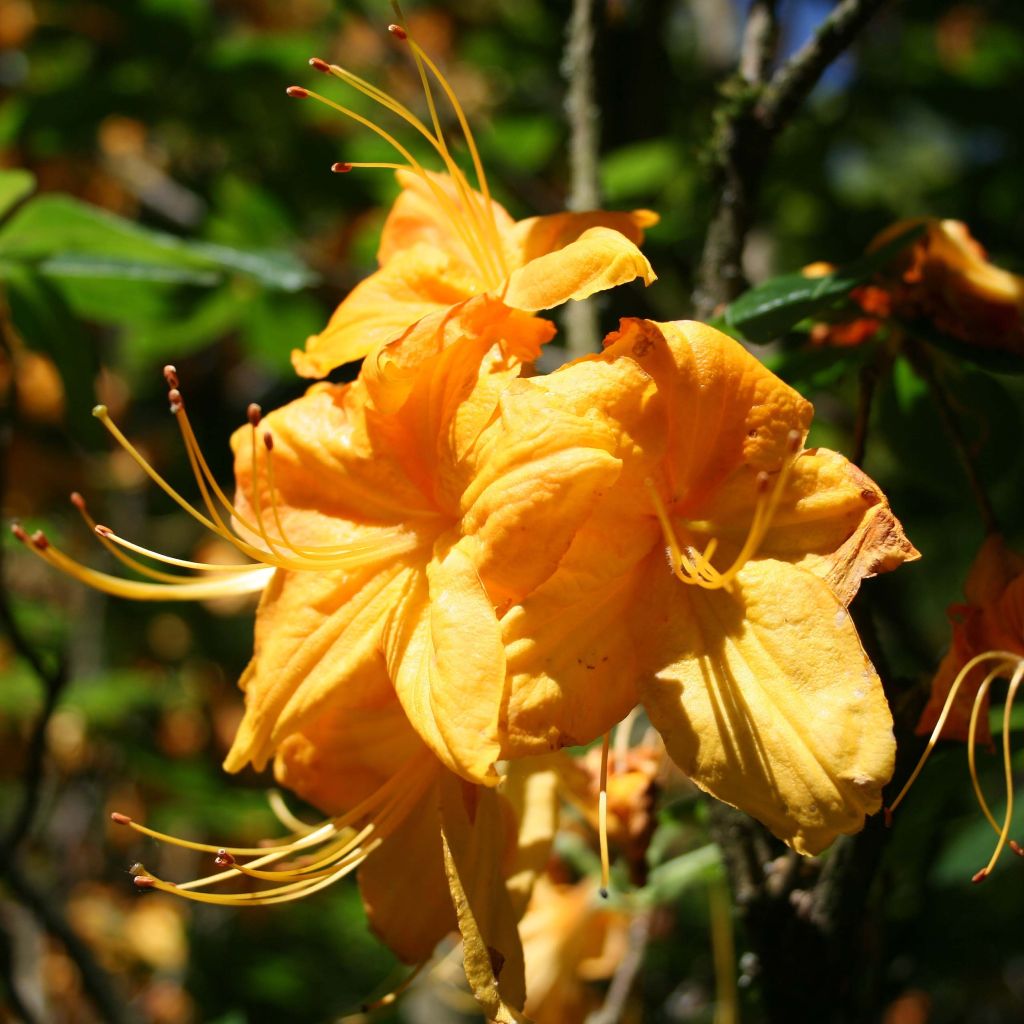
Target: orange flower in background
x: 710, y: 583
x: 873, y: 300
x: 992, y: 618
x: 945, y: 277
x: 445, y: 241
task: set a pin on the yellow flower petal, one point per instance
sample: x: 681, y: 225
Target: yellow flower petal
x: 537, y: 236
x: 600, y: 258
x: 445, y: 656
x: 416, y: 282
x: 474, y: 838
x: 765, y: 698
x: 314, y: 630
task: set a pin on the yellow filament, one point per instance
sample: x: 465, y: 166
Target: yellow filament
x: 243, y: 582
x: 284, y: 814
x: 694, y: 567
x: 1005, y: 660
x: 182, y: 563
x: 972, y: 733
x: 724, y: 954
x: 1004, y: 832
x: 602, y: 816
x: 443, y: 201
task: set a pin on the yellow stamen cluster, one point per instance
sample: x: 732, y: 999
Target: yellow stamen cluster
x: 269, y: 548
x: 471, y: 215
x: 341, y: 845
x: 1000, y: 664
x: 694, y: 567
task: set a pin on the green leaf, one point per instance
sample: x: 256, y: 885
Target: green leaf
x: 769, y: 310
x: 63, y: 236
x: 14, y: 186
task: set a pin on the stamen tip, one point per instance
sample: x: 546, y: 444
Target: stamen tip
x: 120, y: 819
x: 980, y: 876
x: 103, y: 531
x: 40, y: 540
x: 341, y: 167
x: 762, y: 482
x: 1016, y: 847
x: 268, y: 441
x: 320, y: 65
x: 99, y: 411
x: 138, y: 868
x: 254, y: 414
x: 171, y: 375
x: 297, y: 92
x: 793, y: 441
x: 144, y: 882
x: 77, y: 500
x: 224, y: 859
x: 19, y: 532
x: 175, y: 401
x: 887, y: 816
x: 603, y: 893
x: 398, y: 32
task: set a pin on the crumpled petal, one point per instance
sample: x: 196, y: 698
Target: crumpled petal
x: 445, y: 657
x: 536, y: 236
x: 831, y: 519
x: 599, y: 259
x: 766, y: 699
x: 474, y: 828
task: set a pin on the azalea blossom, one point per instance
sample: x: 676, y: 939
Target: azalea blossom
x: 710, y: 583
x: 445, y: 241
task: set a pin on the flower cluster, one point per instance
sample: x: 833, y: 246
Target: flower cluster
x: 465, y: 568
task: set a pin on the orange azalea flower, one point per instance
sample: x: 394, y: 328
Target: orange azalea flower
x: 445, y: 241
x: 873, y: 300
x: 945, y: 277
x: 570, y: 938
x: 740, y: 647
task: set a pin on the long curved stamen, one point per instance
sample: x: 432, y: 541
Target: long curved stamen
x: 345, y: 849
x: 972, y: 732
x: 694, y: 567
x: 1004, y: 660
x: 462, y: 228
x: 1004, y: 832
x: 602, y: 817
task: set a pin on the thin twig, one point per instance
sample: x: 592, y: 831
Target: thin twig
x: 750, y: 116
x: 793, y: 82
x: 580, y: 318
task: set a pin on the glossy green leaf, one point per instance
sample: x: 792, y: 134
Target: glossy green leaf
x: 769, y: 310
x: 63, y: 236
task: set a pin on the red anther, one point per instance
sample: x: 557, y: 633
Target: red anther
x: 603, y: 893
x: 887, y: 816
x: 341, y: 167
x: 268, y: 440
x: 398, y: 32
x: 171, y: 375
x: 19, y: 532
x: 144, y: 882
x: 793, y: 441
x: 297, y: 92
x: 224, y: 859
x: 120, y: 819
x: 254, y: 414
x: 980, y: 876
x: 103, y: 531
x: 77, y: 500
x: 762, y: 482
x: 40, y: 540
x: 1016, y: 847
x: 320, y: 65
